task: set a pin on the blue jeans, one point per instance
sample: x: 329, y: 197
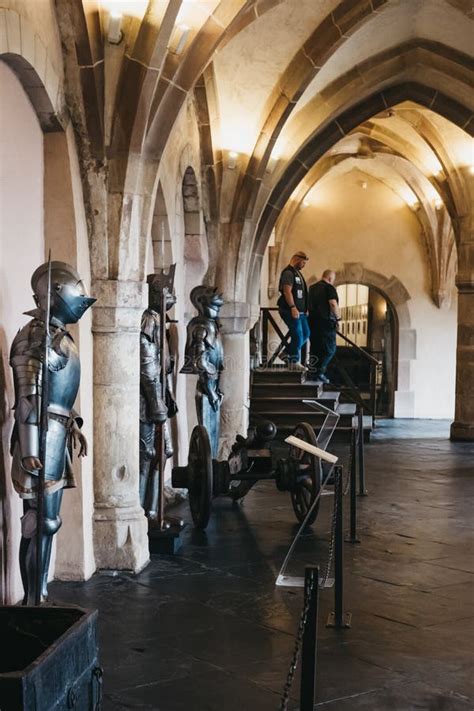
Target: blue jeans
x: 323, y: 345
x: 299, y: 333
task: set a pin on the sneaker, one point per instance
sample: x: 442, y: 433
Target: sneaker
x: 323, y: 379
x: 296, y: 366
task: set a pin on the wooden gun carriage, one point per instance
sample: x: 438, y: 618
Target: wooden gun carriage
x: 250, y: 460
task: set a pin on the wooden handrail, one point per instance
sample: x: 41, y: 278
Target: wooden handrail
x: 369, y: 357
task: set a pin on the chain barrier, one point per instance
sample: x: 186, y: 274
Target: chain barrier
x: 297, y: 650
x: 347, y: 479
x: 332, y: 542
x: 304, y: 615
x: 355, y: 439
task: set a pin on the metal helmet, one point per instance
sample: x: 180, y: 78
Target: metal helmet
x: 69, y: 300
x: 206, y: 300
x: 156, y: 284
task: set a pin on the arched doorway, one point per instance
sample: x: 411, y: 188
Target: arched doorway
x: 369, y: 320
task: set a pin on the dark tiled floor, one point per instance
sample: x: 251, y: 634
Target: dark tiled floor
x: 208, y: 631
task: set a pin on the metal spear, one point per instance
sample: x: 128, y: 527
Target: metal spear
x: 43, y: 442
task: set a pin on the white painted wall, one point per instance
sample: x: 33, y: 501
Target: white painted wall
x: 41, y: 207
x: 374, y: 226
x: 21, y: 251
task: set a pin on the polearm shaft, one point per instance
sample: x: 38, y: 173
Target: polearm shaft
x: 43, y: 443
x: 160, y: 433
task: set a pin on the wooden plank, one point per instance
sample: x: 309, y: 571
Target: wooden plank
x: 311, y: 449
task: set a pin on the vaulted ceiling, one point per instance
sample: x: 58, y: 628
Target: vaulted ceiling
x: 384, y: 85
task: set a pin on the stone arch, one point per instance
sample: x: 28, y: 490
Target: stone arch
x: 392, y: 289
x: 28, y: 58
x: 345, y: 121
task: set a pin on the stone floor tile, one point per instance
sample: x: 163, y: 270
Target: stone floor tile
x: 208, y: 629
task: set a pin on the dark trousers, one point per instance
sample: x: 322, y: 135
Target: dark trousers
x: 299, y: 333
x: 323, y: 346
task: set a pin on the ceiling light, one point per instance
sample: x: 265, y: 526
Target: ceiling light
x: 438, y: 203
x: 114, y: 32
x: 232, y: 159
x: 184, y: 31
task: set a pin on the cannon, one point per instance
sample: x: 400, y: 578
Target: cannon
x: 251, y: 459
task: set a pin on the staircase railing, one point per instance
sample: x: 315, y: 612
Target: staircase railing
x: 267, y: 319
x: 374, y: 363
x: 270, y: 352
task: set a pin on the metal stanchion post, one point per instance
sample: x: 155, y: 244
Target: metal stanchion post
x: 353, y: 491
x: 264, y: 338
x: 310, y: 639
x: 361, y: 462
x: 339, y: 618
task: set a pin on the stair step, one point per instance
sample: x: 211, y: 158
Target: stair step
x: 346, y: 408
x: 278, y: 374
x: 266, y: 403
x: 285, y: 418
x: 342, y: 433
x: 298, y: 390
x: 366, y: 424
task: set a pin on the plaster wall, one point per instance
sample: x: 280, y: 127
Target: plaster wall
x: 283, y: 28
x: 21, y: 251
x: 345, y: 223
x: 41, y: 208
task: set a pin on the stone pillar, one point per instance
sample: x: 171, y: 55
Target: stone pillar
x: 462, y: 429
x: 120, y: 526
x: 235, y: 380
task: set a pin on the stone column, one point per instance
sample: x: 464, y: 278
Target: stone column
x: 462, y: 428
x: 120, y: 526
x: 235, y: 379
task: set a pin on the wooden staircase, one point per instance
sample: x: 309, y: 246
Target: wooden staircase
x: 277, y: 394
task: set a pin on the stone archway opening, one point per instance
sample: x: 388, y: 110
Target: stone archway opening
x: 370, y: 320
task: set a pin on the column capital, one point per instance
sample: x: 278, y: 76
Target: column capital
x: 234, y: 317
x: 119, y: 305
x: 465, y: 284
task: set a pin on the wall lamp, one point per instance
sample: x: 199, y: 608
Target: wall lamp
x: 232, y: 157
x: 114, y: 32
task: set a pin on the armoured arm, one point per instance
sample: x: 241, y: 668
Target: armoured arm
x: 208, y: 372
x: 26, y: 361
x: 150, y: 384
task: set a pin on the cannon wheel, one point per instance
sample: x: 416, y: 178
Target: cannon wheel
x: 200, y: 476
x: 308, y: 483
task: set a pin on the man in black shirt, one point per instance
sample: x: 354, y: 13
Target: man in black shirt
x: 293, y: 306
x: 323, y: 307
